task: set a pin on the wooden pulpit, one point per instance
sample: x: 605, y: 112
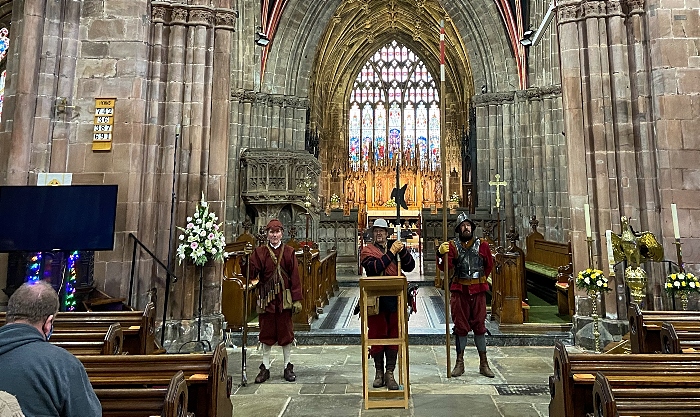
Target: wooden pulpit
x: 385, y: 286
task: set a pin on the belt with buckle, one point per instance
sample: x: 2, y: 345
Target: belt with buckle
x: 470, y: 281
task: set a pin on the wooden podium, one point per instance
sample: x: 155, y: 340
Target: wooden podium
x: 381, y: 397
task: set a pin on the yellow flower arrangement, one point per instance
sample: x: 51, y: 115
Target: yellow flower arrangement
x: 682, y: 281
x: 592, y: 280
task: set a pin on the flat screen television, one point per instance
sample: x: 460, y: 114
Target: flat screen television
x: 65, y: 217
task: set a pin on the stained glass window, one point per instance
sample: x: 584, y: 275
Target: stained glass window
x: 394, y: 112
x: 4, y: 45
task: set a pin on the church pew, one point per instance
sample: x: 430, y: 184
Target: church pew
x: 328, y: 272
x: 145, y: 401
x: 138, y: 327
x: 309, y: 265
x: 208, y: 383
x: 542, y: 261
x: 679, y: 341
x: 234, y: 288
x: 571, y: 386
x: 507, y: 305
x: 610, y: 400
x: 90, y: 343
x: 645, y: 326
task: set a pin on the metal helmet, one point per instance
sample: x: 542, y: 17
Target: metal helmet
x: 380, y: 223
x: 463, y: 218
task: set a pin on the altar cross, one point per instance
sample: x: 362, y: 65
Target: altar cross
x: 498, y: 184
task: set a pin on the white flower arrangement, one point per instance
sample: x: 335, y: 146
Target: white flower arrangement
x: 454, y: 198
x: 682, y: 281
x: 390, y: 203
x: 335, y: 199
x: 202, y: 238
x: 592, y: 280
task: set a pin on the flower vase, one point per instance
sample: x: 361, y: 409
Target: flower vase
x: 593, y: 295
x: 684, y: 300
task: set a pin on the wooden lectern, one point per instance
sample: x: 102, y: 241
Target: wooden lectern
x: 386, y: 286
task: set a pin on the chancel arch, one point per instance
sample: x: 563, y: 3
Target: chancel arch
x: 388, y: 66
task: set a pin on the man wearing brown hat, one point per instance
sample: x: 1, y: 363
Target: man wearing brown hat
x: 379, y: 258
x: 276, y: 266
x: 470, y: 259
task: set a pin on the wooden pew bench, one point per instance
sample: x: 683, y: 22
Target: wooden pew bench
x: 610, y: 400
x: 543, y: 259
x: 571, y: 386
x: 679, y: 341
x: 138, y: 327
x: 235, y: 289
x: 208, y: 383
x: 508, y: 285
x: 141, y: 400
x: 90, y: 343
x: 645, y: 326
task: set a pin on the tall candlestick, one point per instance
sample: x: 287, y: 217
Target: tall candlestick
x: 587, y: 215
x: 674, y: 215
x: 611, y: 256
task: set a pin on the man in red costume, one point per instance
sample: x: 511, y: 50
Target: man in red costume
x: 470, y: 261
x: 276, y: 266
x: 379, y: 258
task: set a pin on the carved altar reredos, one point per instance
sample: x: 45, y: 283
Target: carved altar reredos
x: 273, y: 178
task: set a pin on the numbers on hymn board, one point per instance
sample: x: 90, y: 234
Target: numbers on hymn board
x: 104, y: 120
x: 102, y: 136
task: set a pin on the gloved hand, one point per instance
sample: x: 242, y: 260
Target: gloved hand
x: 296, y: 307
x: 396, y: 247
x: 444, y: 248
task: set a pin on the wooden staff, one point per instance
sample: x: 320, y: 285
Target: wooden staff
x: 443, y: 165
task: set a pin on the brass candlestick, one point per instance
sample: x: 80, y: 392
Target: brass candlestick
x: 593, y: 295
x: 679, y: 254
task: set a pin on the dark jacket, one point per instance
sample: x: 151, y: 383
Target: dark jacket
x: 46, y: 379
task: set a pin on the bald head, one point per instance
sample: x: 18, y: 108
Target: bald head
x: 32, y: 303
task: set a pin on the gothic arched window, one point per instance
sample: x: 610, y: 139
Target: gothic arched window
x: 394, y: 112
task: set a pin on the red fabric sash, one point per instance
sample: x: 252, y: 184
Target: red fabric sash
x: 372, y: 250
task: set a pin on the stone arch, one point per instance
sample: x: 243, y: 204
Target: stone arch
x: 292, y: 62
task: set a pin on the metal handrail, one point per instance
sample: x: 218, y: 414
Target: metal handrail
x: 169, y: 274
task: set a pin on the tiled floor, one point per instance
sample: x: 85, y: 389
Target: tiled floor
x: 329, y: 383
x: 328, y: 365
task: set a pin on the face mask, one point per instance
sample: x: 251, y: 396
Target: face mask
x: 48, y: 335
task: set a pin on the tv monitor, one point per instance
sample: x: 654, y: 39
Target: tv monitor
x: 64, y: 217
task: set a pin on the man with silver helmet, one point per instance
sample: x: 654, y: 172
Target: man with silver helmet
x: 379, y: 258
x: 470, y: 262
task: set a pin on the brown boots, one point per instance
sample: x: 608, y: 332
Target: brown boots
x: 378, y: 379
x: 484, y: 366
x: 459, y: 365
x: 263, y: 375
x: 390, y: 381
x: 289, y: 374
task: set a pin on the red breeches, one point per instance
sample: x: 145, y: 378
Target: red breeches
x: 276, y: 328
x: 384, y: 325
x: 468, y: 312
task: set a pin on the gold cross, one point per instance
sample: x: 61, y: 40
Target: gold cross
x: 498, y: 183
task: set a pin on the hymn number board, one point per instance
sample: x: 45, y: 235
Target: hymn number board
x: 104, y: 124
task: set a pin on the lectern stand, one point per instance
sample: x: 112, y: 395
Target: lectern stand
x: 386, y: 286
